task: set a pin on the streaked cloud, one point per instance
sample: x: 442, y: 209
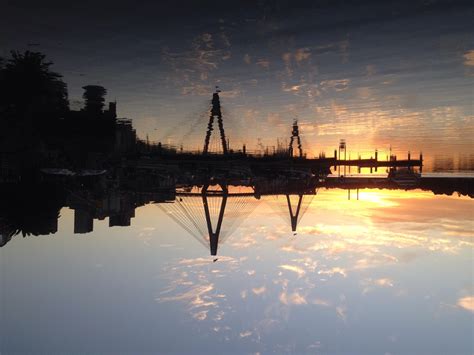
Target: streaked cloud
x: 466, y: 303
x: 370, y: 284
x: 263, y: 63
x: 341, y: 312
x: 293, y: 268
x: 245, y: 334
x: 335, y: 84
x: 469, y: 58
x: 321, y: 302
x: 333, y: 271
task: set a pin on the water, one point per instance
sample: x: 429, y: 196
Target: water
x: 389, y: 273
x: 380, y: 75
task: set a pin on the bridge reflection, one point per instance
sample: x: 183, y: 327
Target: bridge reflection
x: 209, y: 207
x: 211, y: 213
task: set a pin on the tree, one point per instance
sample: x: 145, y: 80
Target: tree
x: 29, y: 88
x: 94, y: 96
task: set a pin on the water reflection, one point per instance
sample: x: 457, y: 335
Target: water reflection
x: 402, y: 255
x: 348, y: 268
x: 209, y: 211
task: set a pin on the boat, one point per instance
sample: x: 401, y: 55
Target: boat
x: 404, y: 177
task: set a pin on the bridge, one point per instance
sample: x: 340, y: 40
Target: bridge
x: 292, y: 158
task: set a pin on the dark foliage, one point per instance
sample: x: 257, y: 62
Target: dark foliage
x: 29, y: 89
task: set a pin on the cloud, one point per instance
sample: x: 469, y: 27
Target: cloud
x: 384, y: 282
x: 264, y: 63
x: 247, y: 59
x: 293, y: 298
x: 333, y: 271
x: 293, y: 88
x: 245, y: 334
x: 287, y: 60
x: 275, y: 119
x: 293, y: 60
x: 375, y: 261
x: 204, y: 261
x: 467, y: 303
x: 193, y: 295
x: 202, y: 315
x: 336, y: 84
x: 196, y: 90
x: 299, y: 56
x: 469, y: 58
x: 341, y: 312
x: 207, y: 39
x: 302, y: 54
x: 197, y: 298
x: 370, y: 69
x: 344, y: 50
x: 321, y: 302
x: 230, y: 93
x: 370, y: 284
x: 193, y: 64
x: 259, y: 290
x: 225, y: 39
x: 293, y: 268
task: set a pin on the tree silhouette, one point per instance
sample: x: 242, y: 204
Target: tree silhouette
x: 94, y: 96
x: 29, y: 88
x: 29, y: 209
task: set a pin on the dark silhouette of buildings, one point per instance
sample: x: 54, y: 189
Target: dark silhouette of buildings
x: 94, y: 99
x: 83, y: 221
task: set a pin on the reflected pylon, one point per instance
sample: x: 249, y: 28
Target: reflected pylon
x: 215, y: 113
x: 295, y: 136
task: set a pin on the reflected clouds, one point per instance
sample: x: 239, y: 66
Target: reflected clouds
x: 467, y: 303
x: 299, y: 271
x: 292, y: 299
x: 354, y: 251
x: 371, y: 284
x: 347, y: 271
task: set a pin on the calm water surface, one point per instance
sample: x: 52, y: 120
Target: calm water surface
x: 390, y: 273
x: 380, y: 74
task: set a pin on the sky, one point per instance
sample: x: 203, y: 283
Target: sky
x: 378, y: 74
